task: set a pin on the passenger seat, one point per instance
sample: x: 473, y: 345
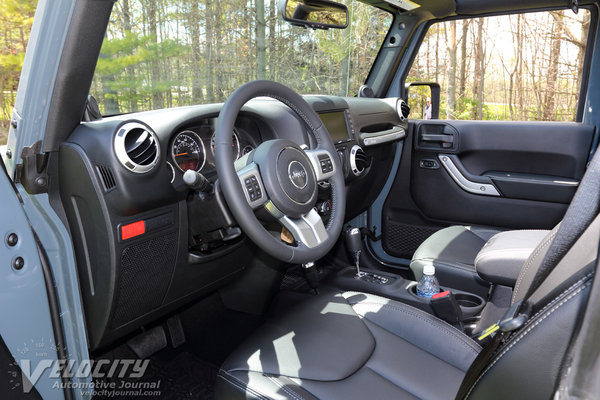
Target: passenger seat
x: 454, y: 250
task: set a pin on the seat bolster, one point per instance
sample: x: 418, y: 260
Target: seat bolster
x: 502, y: 257
x: 243, y: 385
x: 419, y: 328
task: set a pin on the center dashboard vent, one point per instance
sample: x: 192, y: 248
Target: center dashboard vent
x: 137, y: 147
x: 359, y: 161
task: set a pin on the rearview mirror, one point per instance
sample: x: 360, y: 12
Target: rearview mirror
x: 316, y: 14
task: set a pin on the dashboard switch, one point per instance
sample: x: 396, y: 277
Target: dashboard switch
x: 132, y: 230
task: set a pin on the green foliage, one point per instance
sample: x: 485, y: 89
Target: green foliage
x: 16, y: 17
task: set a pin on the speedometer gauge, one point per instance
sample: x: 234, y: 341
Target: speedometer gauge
x: 235, y: 145
x: 188, y: 151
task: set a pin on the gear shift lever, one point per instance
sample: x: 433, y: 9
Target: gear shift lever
x: 354, y: 245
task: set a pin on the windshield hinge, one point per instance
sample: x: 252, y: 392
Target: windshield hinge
x: 574, y: 5
x: 32, y: 173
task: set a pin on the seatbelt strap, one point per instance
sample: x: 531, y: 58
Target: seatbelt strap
x: 581, y: 367
x: 514, y: 318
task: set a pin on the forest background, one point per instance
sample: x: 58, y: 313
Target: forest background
x: 166, y: 53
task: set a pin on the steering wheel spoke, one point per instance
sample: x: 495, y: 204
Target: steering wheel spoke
x: 322, y: 163
x: 308, y: 229
x: 252, y: 185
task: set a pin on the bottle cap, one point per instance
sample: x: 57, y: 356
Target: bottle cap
x: 429, y: 270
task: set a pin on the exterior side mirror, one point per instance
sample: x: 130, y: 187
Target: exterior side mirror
x: 315, y: 14
x: 431, y: 109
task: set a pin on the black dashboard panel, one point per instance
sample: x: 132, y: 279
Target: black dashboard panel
x: 145, y: 243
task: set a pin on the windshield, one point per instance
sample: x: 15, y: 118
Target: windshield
x: 165, y: 53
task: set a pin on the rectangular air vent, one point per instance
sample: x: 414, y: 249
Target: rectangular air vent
x: 107, y: 177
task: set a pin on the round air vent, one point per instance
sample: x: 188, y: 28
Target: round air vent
x: 359, y: 161
x: 137, y: 147
x: 403, y: 110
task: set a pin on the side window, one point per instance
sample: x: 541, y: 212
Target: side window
x: 522, y: 67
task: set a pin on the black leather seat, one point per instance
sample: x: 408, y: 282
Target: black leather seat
x: 359, y: 346
x: 350, y: 346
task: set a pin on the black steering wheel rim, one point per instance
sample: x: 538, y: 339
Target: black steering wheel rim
x: 232, y: 189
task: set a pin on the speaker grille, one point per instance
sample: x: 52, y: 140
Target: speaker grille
x: 144, y: 277
x: 401, y: 240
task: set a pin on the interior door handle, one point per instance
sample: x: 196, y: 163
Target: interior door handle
x: 486, y: 188
x: 447, y: 141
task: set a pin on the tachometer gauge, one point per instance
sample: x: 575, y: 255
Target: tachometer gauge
x: 188, y: 151
x: 235, y: 145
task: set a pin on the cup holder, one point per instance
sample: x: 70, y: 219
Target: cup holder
x: 470, y: 304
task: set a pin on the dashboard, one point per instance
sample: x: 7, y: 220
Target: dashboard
x: 146, y: 243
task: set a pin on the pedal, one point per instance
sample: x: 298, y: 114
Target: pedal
x: 176, y: 332
x: 149, y: 342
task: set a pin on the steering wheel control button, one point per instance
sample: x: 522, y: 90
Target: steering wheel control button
x: 252, y: 185
x: 322, y: 163
x: 297, y: 174
x: 253, y: 188
x: 326, y: 164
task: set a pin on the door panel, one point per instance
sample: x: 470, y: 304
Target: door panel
x: 512, y: 175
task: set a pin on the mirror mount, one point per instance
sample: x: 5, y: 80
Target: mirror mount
x: 435, y: 95
x: 314, y: 14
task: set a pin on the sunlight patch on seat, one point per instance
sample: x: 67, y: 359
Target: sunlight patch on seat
x: 285, y: 350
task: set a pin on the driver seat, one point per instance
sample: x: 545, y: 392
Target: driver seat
x: 357, y: 346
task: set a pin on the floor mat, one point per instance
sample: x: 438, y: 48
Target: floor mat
x: 183, y: 377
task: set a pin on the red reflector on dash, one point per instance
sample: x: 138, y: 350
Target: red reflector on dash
x: 440, y: 294
x: 132, y: 230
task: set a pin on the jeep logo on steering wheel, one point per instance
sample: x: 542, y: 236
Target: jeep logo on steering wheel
x: 297, y: 174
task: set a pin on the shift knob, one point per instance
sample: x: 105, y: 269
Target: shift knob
x: 353, y: 241
x: 354, y: 244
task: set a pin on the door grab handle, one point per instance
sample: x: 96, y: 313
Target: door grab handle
x: 486, y: 189
x: 446, y: 140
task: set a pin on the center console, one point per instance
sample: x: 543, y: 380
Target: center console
x: 397, y: 288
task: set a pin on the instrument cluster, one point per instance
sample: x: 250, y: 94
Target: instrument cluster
x: 193, y: 148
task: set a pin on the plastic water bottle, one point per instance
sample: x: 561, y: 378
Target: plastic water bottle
x: 428, y: 284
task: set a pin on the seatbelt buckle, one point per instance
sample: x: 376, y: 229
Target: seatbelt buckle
x: 515, y: 317
x: 446, y: 307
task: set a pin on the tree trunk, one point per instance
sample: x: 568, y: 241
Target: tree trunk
x: 157, y: 96
x: 194, y: 26
x: 272, y: 40
x: 463, y: 59
x: 450, y: 114
x: 261, y: 47
x: 210, y: 87
x: 548, y: 112
x: 478, y: 72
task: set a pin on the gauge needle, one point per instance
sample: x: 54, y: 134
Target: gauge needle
x: 180, y: 154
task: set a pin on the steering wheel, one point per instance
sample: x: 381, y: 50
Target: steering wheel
x: 281, y: 178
